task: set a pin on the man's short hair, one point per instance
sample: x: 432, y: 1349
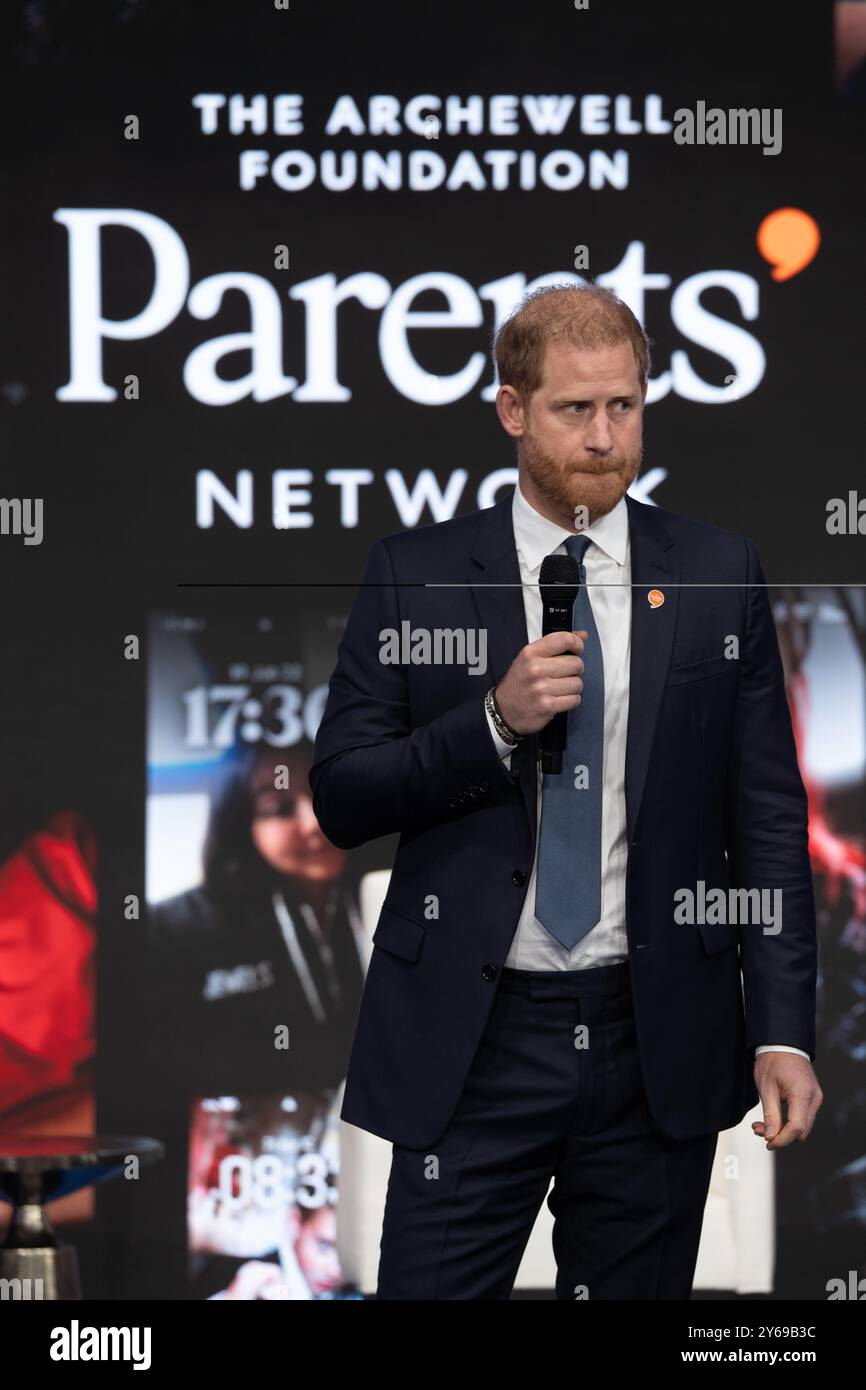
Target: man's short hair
x: 587, y: 316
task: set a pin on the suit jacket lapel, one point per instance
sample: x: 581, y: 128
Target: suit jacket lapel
x: 501, y: 611
x: 654, y: 565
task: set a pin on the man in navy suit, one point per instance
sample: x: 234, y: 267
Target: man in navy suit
x: 581, y: 975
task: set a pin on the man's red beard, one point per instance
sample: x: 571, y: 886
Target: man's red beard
x: 597, y: 485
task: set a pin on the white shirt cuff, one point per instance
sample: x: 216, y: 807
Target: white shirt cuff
x: 781, y: 1047
x: 503, y: 749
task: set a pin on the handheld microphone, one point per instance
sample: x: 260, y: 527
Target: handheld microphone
x: 559, y: 583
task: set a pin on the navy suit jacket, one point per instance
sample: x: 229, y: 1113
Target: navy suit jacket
x: 713, y: 793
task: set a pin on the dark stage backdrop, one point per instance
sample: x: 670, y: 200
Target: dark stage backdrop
x: 253, y: 257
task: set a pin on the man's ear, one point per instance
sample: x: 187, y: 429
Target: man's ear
x: 507, y: 407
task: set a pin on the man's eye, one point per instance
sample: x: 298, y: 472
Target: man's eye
x: 624, y: 405
x: 578, y: 406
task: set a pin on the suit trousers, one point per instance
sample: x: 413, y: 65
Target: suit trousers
x: 554, y: 1092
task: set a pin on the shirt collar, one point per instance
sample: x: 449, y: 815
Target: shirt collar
x: 536, y: 536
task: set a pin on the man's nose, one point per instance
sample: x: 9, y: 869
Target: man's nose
x: 599, y: 437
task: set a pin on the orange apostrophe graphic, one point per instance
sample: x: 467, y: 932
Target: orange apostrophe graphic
x: 655, y: 598
x: 789, y: 239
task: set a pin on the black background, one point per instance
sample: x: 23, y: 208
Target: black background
x: 118, y: 479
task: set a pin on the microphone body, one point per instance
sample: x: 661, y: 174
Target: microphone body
x: 559, y: 583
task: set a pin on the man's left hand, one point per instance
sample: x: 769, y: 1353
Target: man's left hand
x: 784, y: 1077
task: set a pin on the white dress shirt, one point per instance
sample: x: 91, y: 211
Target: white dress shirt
x: 608, y: 576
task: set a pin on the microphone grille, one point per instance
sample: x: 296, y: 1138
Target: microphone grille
x: 559, y: 570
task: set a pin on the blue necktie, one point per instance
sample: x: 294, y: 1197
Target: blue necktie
x: 568, y: 880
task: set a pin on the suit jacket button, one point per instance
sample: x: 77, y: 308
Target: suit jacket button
x: 489, y: 973
x: 518, y: 877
